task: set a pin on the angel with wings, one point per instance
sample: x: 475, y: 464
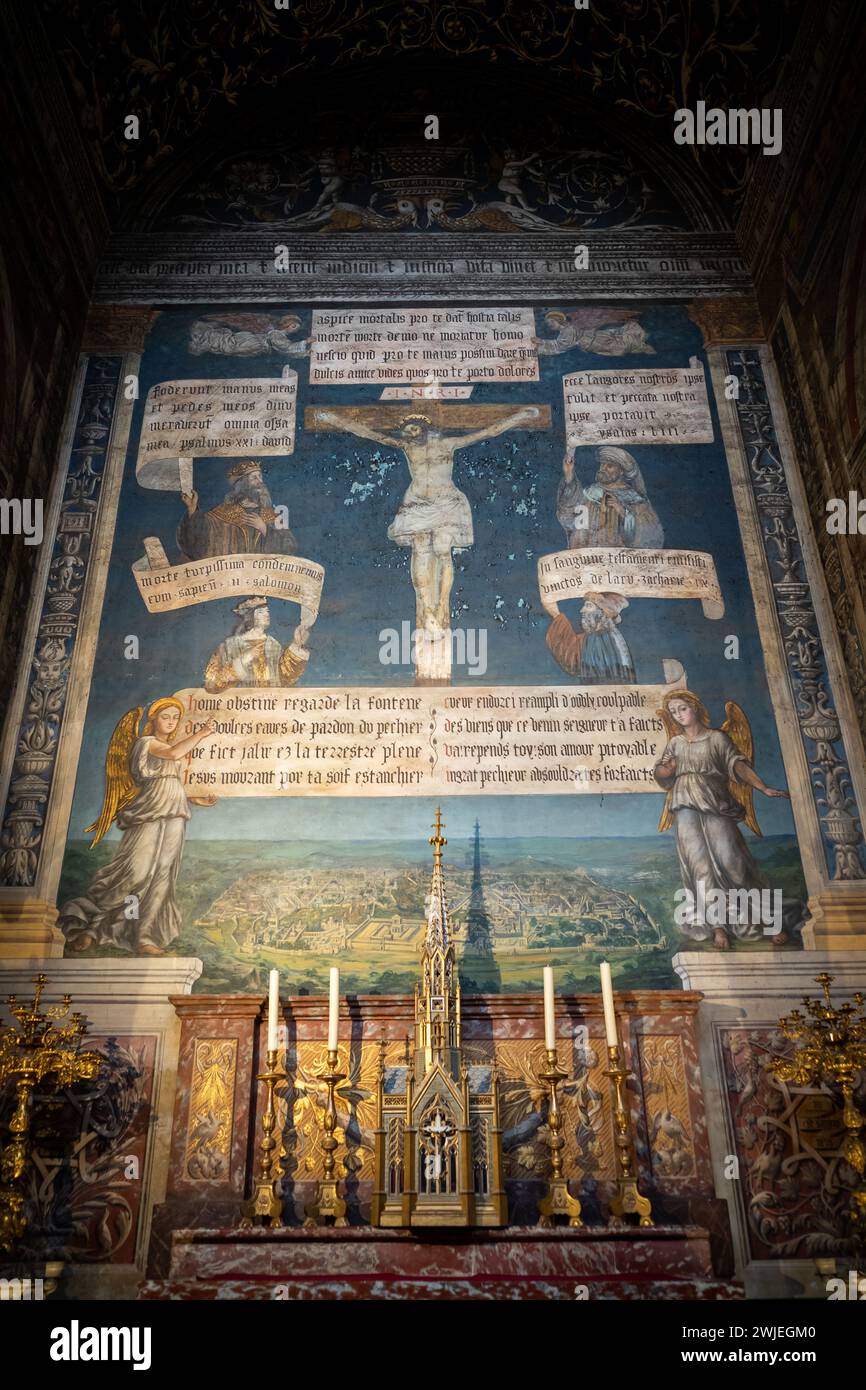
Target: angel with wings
x: 710, y: 784
x: 247, y: 335
x: 593, y: 328
x: 131, y: 900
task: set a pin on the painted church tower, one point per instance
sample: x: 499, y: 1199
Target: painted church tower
x: 438, y: 1139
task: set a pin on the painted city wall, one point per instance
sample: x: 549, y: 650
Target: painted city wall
x: 371, y: 560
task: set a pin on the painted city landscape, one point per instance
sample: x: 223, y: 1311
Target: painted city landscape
x: 516, y: 905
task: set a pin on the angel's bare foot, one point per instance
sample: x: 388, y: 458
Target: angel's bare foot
x: 720, y: 940
x: 780, y: 939
x: 82, y: 943
x: 148, y: 949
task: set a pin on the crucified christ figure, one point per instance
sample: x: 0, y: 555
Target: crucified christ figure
x: 434, y: 517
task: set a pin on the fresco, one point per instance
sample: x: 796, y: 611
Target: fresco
x: 373, y: 560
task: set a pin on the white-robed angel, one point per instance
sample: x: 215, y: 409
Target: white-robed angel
x: 131, y: 900
x: 710, y: 784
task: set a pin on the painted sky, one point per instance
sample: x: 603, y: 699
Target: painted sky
x: 342, y: 495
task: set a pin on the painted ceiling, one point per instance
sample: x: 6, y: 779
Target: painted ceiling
x: 185, y: 67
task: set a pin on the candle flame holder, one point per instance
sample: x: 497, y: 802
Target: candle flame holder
x: 628, y: 1200
x: 39, y: 1048
x: 831, y: 1050
x: 557, y: 1202
x: 266, y: 1202
x: 328, y: 1206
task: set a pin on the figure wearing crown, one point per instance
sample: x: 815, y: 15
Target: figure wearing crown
x: 244, y: 523
x: 434, y: 517
x: 250, y: 656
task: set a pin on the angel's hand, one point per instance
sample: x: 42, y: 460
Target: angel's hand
x: 207, y: 728
x: 775, y: 791
x: 203, y: 800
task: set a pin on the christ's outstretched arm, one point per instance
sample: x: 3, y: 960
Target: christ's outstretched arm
x: 529, y: 412
x: 339, y: 422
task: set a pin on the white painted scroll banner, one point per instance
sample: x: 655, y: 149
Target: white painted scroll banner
x: 426, y: 741
x: 225, y: 418
x: 410, y: 346
x: 621, y: 406
x: 633, y: 573
x: 165, y: 587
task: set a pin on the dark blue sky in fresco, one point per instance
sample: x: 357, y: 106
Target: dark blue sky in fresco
x: 342, y: 495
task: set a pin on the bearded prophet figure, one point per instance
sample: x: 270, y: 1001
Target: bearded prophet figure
x: 249, y: 657
x: 710, y: 783
x: 598, y: 654
x: 613, y: 511
x: 131, y: 900
x: 243, y: 524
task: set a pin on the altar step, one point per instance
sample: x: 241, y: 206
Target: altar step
x: 360, y: 1262
x: 442, y: 1290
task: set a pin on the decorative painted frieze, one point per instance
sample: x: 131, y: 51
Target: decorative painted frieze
x: 829, y: 771
x: 45, y: 702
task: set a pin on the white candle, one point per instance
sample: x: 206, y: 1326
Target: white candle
x: 549, y: 1013
x: 334, y: 1009
x: 607, y: 1003
x: 273, y: 1008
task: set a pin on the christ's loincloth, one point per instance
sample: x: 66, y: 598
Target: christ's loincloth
x: 445, y: 517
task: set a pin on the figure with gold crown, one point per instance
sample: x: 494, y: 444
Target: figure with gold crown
x: 131, y: 900
x: 710, y: 783
x: 245, y: 522
x: 250, y: 656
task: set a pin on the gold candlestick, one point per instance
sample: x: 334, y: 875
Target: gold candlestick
x: 628, y: 1200
x: 266, y: 1201
x: 831, y: 1048
x: 328, y: 1205
x: 558, y: 1201
x: 41, y: 1051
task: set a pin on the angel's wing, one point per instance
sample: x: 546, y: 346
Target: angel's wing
x: 666, y: 819
x: 119, y: 786
x: 739, y: 731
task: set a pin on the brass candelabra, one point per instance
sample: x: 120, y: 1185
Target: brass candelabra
x: 41, y: 1049
x: 831, y: 1049
x: 266, y: 1201
x: 557, y: 1201
x: 328, y: 1205
x: 628, y: 1200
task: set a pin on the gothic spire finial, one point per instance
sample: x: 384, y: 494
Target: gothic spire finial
x: 438, y: 840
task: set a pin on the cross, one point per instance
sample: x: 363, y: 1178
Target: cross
x: 438, y: 840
